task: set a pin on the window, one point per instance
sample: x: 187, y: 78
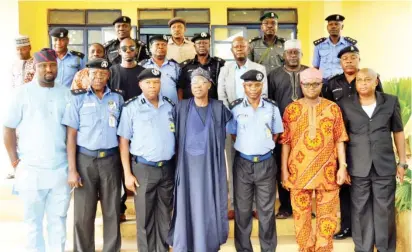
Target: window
x: 85, y: 26
x: 288, y: 20
x: 154, y: 21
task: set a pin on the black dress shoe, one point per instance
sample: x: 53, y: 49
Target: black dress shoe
x: 343, y: 234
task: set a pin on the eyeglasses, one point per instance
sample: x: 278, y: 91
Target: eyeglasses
x: 131, y: 48
x: 312, y: 85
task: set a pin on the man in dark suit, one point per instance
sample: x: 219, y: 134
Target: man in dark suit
x: 370, y: 119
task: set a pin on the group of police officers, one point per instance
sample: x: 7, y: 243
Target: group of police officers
x: 97, y: 115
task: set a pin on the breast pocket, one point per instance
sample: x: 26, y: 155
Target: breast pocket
x: 142, y: 126
x: 87, y: 116
x: 337, y: 94
x: 242, y: 121
x: 324, y: 55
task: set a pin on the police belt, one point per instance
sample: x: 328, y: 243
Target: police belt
x: 98, y: 153
x: 142, y: 160
x: 256, y: 158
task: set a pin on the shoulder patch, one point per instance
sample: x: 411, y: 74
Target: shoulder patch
x: 118, y: 91
x: 282, y: 40
x: 270, y: 101
x: 254, y: 39
x: 78, y: 91
x: 235, y: 103
x: 172, y: 60
x: 79, y: 54
x: 138, y: 42
x: 184, y: 63
x: 351, y: 40
x: 318, y: 41
x: 168, y: 100
x: 130, y: 100
x: 141, y: 63
x: 108, y: 43
x: 219, y: 59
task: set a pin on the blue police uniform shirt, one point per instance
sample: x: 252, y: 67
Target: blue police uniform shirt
x: 150, y: 130
x: 95, y: 120
x: 325, y: 57
x: 170, y: 75
x: 68, y: 66
x: 254, y: 129
x: 36, y: 113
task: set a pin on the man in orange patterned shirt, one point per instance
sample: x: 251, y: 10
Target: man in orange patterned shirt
x: 81, y: 79
x: 313, y: 140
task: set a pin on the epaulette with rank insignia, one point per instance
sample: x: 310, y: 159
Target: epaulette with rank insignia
x: 219, y: 59
x: 351, y: 40
x: 130, y: 100
x: 79, y: 54
x: 172, y: 60
x: 282, y: 40
x: 78, y: 91
x: 108, y: 43
x: 318, y: 41
x: 184, y: 63
x: 141, y: 43
x: 118, y: 91
x: 254, y: 39
x: 141, y: 63
x: 270, y: 101
x: 235, y: 103
x: 165, y: 98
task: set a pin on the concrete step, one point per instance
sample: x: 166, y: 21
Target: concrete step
x: 12, y: 240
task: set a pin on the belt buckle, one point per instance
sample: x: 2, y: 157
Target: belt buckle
x: 160, y: 164
x: 102, y: 154
x: 255, y: 159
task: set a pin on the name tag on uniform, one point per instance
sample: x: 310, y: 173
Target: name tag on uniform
x: 268, y: 131
x: 172, y: 127
x: 86, y: 105
x: 112, y: 121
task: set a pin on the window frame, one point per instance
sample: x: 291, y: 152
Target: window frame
x: 262, y: 11
x: 84, y: 27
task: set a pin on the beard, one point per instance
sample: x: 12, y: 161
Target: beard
x: 49, y: 79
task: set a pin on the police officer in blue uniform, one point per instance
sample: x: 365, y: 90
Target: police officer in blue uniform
x: 69, y: 62
x: 92, y: 118
x: 146, y: 131
x: 255, y: 127
x: 326, y: 49
x: 169, y: 67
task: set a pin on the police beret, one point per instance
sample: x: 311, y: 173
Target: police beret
x: 59, y: 32
x: 335, y: 17
x: 203, y: 73
x: 98, y: 63
x: 201, y: 36
x: 157, y: 38
x: 176, y: 20
x: 122, y: 19
x: 252, y: 75
x: 149, y: 73
x: 347, y: 49
x: 269, y: 15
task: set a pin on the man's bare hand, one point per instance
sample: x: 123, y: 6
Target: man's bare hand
x: 131, y: 183
x: 74, y: 179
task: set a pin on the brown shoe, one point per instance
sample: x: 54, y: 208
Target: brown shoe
x: 123, y: 218
x: 231, y: 214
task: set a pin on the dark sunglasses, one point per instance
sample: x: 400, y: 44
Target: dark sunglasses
x: 131, y: 48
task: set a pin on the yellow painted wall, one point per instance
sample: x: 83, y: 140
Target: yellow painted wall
x: 382, y: 28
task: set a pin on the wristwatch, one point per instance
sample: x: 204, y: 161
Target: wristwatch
x: 403, y: 165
